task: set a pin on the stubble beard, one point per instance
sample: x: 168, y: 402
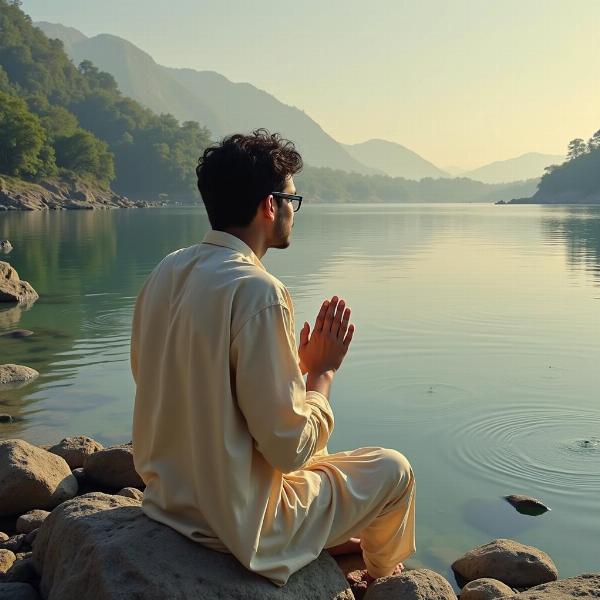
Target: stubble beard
x: 280, y: 233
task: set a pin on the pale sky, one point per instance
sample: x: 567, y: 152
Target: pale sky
x: 461, y: 82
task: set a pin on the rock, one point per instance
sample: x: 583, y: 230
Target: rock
x: 22, y: 571
x: 419, y: 584
x: 113, y: 468
x: 5, y: 246
x: 527, y: 505
x: 12, y: 289
x: 30, y: 537
x: 128, y: 555
x: 485, y: 589
x: 17, y: 334
x: 573, y: 588
x: 15, y: 543
x: 512, y: 563
x: 10, y: 373
x: 131, y: 492
x: 18, y: 591
x: 32, y: 478
x: 3, y: 536
x: 76, y: 449
x: 32, y: 520
x: 7, y: 558
x: 79, y: 474
x: 4, y: 418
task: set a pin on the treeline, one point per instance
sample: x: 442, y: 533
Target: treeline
x: 578, y: 178
x: 57, y: 118
x: 331, y: 185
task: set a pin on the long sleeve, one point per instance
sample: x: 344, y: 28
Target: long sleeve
x: 288, y: 424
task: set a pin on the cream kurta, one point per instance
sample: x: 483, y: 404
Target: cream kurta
x: 231, y: 446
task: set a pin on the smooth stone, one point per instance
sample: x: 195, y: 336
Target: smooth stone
x: 32, y: 478
x: 512, y: 563
x: 128, y: 555
x: 113, y: 467
x: 76, y: 449
x: 5, y: 246
x: 18, y: 591
x: 485, y: 589
x: 15, y: 543
x: 131, y: 492
x: 419, y: 584
x: 32, y: 520
x: 79, y: 474
x: 527, y: 505
x: 12, y: 288
x: 573, y: 588
x: 7, y: 558
x: 17, y: 334
x: 10, y: 373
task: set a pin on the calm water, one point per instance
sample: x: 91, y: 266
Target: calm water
x: 477, y: 350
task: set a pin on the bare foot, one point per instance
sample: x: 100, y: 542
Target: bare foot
x: 352, y: 546
x: 397, y: 571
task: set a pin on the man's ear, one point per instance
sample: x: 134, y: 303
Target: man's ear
x: 268, y: 207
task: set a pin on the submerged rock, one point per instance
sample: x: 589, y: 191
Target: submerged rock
x: 527, y: 505
x: 128, y: 555
x: 12, y: 289
x: 17, y: 334
x: 32, y: 478
x: 420, y: 584
x: 511, y: 562
x: 10, y: 373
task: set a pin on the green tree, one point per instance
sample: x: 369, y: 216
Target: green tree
x: 24, y: 147
x: 577, y: 147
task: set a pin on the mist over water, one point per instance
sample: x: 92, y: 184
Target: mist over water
x: 476, y: 350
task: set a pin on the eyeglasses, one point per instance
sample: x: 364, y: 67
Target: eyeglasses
x: 294, y: 199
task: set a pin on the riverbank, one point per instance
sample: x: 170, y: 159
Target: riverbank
x: 65, y: 193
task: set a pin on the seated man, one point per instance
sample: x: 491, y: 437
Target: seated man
x: 228, y: 437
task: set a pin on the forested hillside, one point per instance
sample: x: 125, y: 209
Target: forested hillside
x: 56, y: 118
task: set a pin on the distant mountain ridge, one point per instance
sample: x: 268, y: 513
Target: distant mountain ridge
x: 393, y: 159
x: 526, y: 166
x: 204, y: 96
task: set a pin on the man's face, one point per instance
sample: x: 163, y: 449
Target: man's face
x: 284, y: 219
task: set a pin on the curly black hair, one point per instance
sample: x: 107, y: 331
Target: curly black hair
x: 235, y: 175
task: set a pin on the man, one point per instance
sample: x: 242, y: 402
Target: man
x: 228, y: 437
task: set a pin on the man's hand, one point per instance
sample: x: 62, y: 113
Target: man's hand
x: 332, y: 333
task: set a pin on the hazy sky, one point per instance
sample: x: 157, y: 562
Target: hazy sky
x: 461, y: 82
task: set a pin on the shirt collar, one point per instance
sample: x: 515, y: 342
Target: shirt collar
x: 227, y: 240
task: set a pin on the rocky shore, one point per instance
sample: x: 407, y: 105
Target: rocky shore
x: 73, y: 527
x: 68, y: 193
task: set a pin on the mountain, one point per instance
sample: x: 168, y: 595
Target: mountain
x: 204, y: 96
x: 393, y: 159
x: 526, y: 166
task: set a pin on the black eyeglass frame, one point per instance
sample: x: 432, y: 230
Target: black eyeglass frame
x: 289, y: 197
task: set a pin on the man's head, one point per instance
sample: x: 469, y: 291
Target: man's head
x: 237, y: 177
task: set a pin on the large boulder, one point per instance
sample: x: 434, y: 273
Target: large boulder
x: 76, y: 449
x: 32, y: 478
x: 485, y: 589
x: 106, y: 543
x: 113, y: 467
x: 10, y: 373
x: 573, y: 588
x: 419, y: 584
x: 12, y: 289
x: 511, y: 562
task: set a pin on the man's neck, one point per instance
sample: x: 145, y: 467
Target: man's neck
x: 251, y: 238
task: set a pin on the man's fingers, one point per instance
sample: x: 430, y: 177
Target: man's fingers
x: 344, y: 324
x: 349, y: 335
x: 304, y: 333
x: 321, y: 317
x: 329, y: 314
x: 337, y: 320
